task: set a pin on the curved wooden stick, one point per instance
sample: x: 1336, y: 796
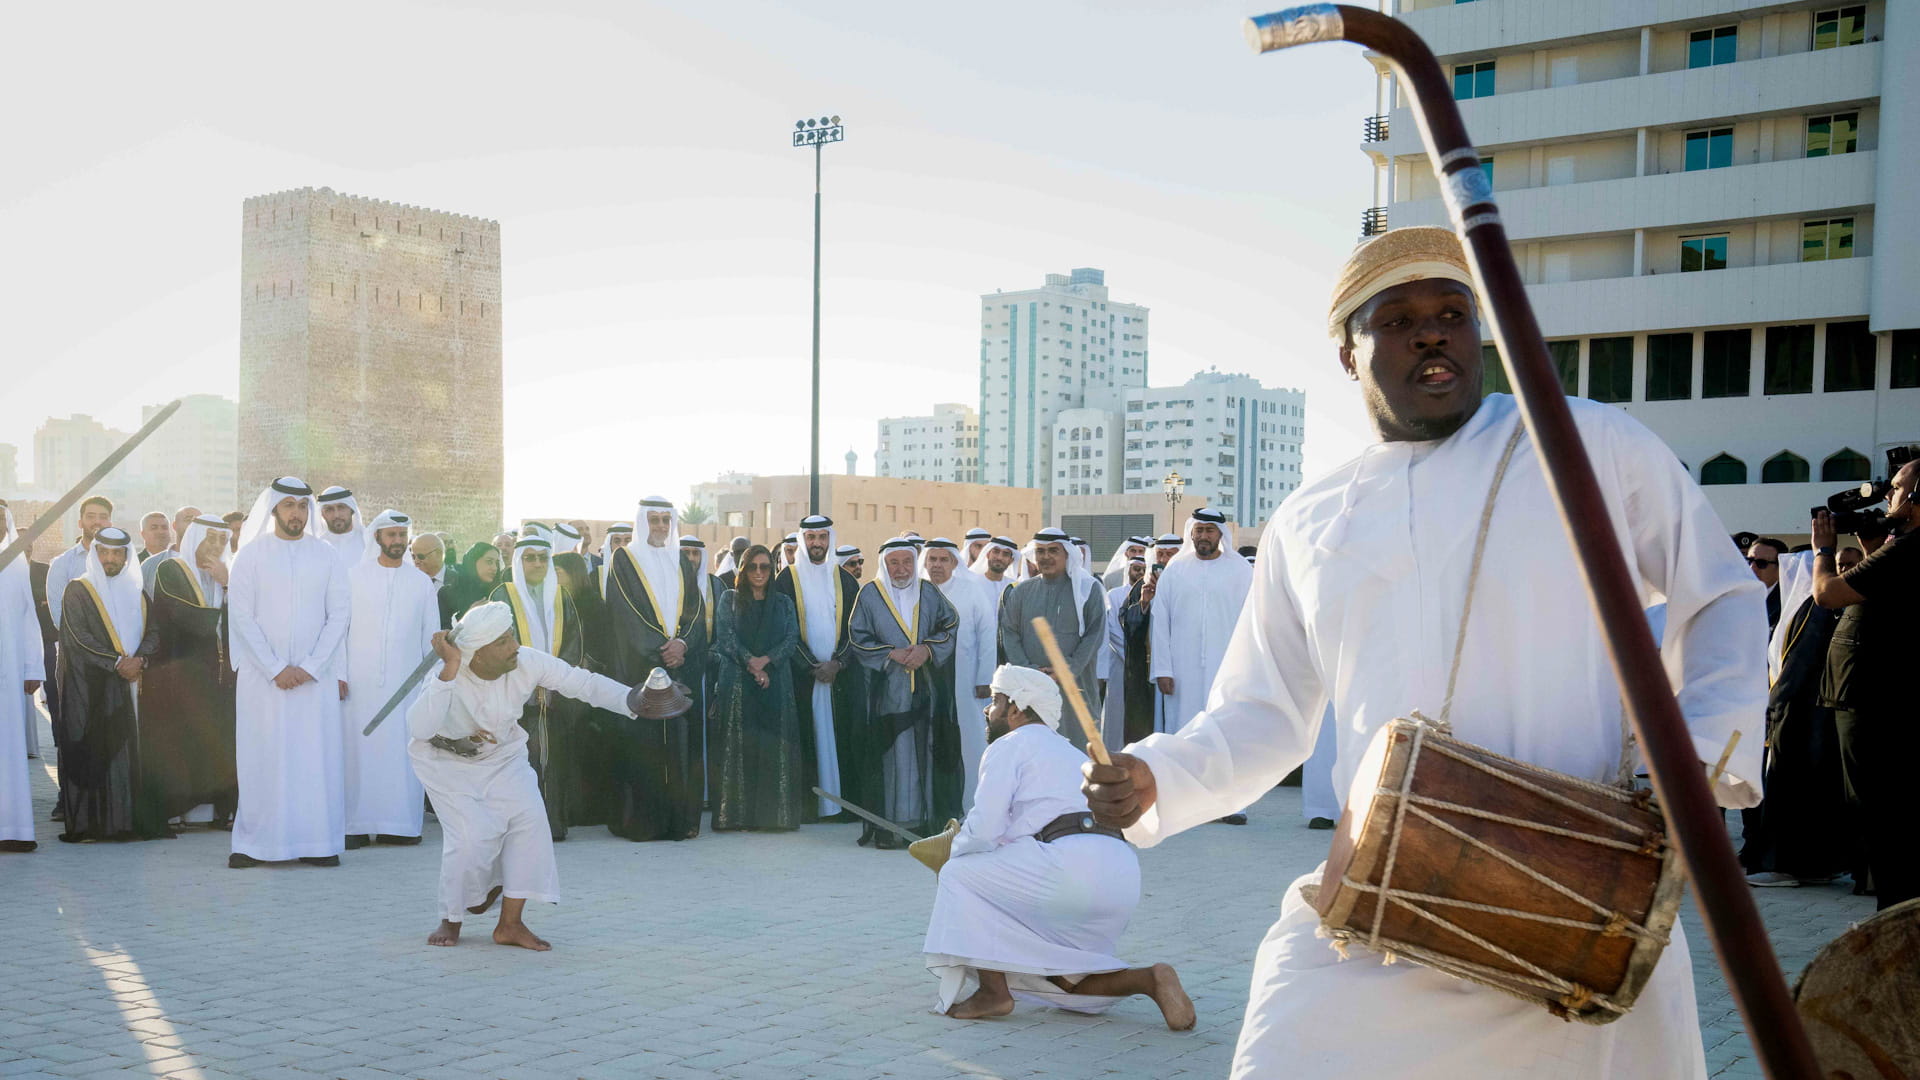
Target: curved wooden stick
x: 1070, y: 689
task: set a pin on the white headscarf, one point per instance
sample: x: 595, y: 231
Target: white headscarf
x: 214, y: 592
x: 817, y: 583
x: 542, y: 600
x: 1206, y: 516
x: 1077, y: 573
x: 120, y: 594
x: 388, y: 519
x: 660, y: 566
x: 906, y: 601
x: 941, y: 543
x: 482, y: 625
x: 1017, y: 571
x: 1120, y: 556
x: 318, y: 525
x: 566, y: 539
x: 259, y: 521
x: 607, y: 549
x: 780, y: 551
x: 1028, y: 689
x: 844, y: 552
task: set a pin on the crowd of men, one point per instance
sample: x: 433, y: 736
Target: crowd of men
x: 236, y: 671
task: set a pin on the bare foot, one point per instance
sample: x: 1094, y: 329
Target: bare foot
x: 1172, y: 998
x: 982, y: 1005
x: 481, y: 907
x: 447, y: 934
x: 518, y: 934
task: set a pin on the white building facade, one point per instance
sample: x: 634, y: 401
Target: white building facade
x: 943, y: 447
x: 1065, y: 345
x: 1236, y: 444
x: 1693, y: 191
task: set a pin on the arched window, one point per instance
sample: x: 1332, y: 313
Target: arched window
x: 1724, y: 469
x: 1100, y: 432
x: 1785, y: 467
x: 1846, y: 466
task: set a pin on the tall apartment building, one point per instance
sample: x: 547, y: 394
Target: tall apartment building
x: 192, y: 459
x: 1693, y: 189
x: 1234, y: 442
x: 944, y: 446
x: 370, y: 354
x: 1062, y: 346
x: 9, y: 469
x: 64, y: 450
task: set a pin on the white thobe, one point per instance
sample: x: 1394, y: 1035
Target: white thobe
x: 395, y: 614
x: 1318, y: 797
x: 348, y: 547
x: 21, y: 659
x: 1007, y: 902
x: 819, y: 600
x: 1195, y: 607
x: 287, y: 605
x: 493, y: 823
x: 1357, y: 598
x: 975, y: 641
x: 65, y: 566
x: 1112, y: 668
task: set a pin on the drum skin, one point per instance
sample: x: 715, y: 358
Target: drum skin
x: 1860, y: 999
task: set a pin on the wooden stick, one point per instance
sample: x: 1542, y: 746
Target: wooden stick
x: 1726, y: 755
x: 1070, y: 689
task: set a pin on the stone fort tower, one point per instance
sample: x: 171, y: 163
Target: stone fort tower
x: 370, y: 355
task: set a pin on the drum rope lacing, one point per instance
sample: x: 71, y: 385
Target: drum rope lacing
x: 1574, y: 1000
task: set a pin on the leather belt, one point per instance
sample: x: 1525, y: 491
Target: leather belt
x: 1081, y: 824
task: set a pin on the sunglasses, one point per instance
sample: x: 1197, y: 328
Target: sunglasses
x: 1751, y: 561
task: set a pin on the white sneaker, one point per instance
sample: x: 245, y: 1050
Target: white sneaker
x: 1773, y: 879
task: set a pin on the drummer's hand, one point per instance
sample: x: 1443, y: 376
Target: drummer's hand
x: 1118, y: 793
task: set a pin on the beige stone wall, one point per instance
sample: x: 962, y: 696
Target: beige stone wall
x: 370, y: 354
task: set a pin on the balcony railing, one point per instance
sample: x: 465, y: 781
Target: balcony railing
x: 1374, y: 129
x: 1373, y: 221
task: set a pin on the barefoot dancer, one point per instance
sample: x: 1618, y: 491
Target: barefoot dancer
x: 470, y: 752
x: 1033, y: 887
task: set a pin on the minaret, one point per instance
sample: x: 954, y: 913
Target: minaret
x: 852, y: 461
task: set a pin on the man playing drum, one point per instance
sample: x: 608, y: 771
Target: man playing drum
x: 1359, y: 597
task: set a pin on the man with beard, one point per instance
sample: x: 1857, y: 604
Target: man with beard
x: 545, y: 618
x: 470, y: 752
x: 22, y: 670
x: 105, y: 645
x: 1361, y: 597
x: 658, y: 619
x: 1073, y: 605
x: 851, y: 560
x: 395, y: 611
x: 975, y: 641
x: 619, y: 535
x: 342, y: 528
x: 1119, y: 690
x: 995, y: 566
x: 903, y: 631
x: 1196, y: 604
x: 832, y: 690
x: 287, y: 611
x: 186, y: 697
x: 977, y: 539
x: 1033, y: 899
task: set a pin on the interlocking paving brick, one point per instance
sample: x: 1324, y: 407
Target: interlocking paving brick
x: 738, y: 955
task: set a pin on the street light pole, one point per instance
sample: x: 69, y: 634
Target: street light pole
x: 1175, y: 486
x: 817, y: 134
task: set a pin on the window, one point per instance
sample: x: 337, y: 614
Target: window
x: 1610, y: 369
x: 1840, y: 27
x: 1835, y: 134
x: 1823, y: 240
x: 1709, y: 149
x: 1705, y: 48
x: 1846, y: 467
x: 1669, y: 367
x: 1906, y: 359
x: 1784, y: 467
x: 1473, y: 80
x: 1486, y: 166
x: 1850, y: 349
x: 1726, y: 363
x: 1724, y: 469
x: 1493, y: 376
x: 1703, y: 253
x: 1789, y: 360
x: 1566, y: 363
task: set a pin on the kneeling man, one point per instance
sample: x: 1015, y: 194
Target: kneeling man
x: 1035, y: 894
x: 470, y: 753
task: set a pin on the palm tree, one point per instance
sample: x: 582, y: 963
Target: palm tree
x: 695, y: 514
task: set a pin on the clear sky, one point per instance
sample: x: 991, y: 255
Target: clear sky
x: 656, y: 224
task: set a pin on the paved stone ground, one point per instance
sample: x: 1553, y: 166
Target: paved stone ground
x: 733, y: 956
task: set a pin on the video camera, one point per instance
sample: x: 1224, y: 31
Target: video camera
x: 1855, y: 509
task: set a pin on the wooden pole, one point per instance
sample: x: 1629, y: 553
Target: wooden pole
x: 1070, y: 689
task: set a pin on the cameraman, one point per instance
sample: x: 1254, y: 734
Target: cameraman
x: 1866, y: 684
